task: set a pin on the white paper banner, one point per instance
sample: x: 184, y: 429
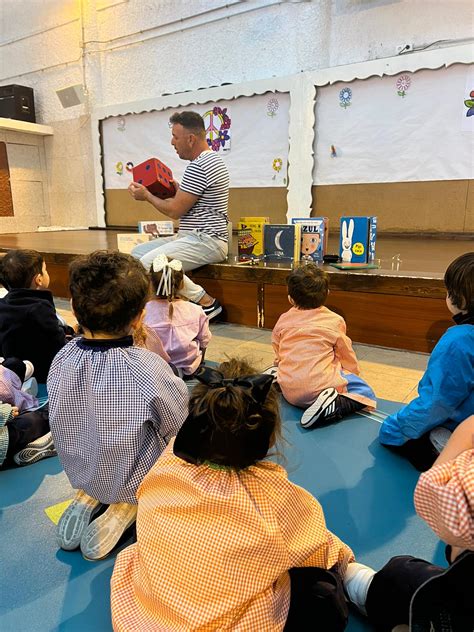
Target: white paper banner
x: 256, y: 126
x: 408, y: 127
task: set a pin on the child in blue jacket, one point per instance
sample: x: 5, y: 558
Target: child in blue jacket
x: 446, y: 390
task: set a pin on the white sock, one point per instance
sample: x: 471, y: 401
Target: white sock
x: 357, y: 580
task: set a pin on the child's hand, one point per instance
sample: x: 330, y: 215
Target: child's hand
x: 15, y: 411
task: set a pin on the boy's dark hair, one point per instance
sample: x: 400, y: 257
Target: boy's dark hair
x: 459, y: 282
x: 192, y: 121
x: 233, y: 418
x: 19, y: 268
x: 308, y: 286
x: 108, y: 290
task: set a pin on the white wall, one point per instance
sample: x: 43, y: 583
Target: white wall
x: 140, y: 49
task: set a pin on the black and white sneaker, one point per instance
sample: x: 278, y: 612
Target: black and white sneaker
x: 329, y: 407
x: 41, y: 448
x: 212, y: 310
x: 324, y: 409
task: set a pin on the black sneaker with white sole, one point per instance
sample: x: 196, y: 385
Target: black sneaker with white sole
x: 212, y: 310
x: 41, y: 448
x: 328, y: 407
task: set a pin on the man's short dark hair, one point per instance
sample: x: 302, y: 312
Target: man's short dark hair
x: 108, y: 290
x: 192, y: 121
x: 308, y: 286
x: 459, y: 282
x: 19, y: 268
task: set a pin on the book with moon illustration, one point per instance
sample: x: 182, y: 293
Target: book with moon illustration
x: 314, y: 237
x: 255, y: 225
x: 282, y: 242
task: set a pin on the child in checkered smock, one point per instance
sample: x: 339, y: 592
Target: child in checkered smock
x: 224, y: 540
x: 113, y: 406
x: 412, y: 590
x: 24, y: 425
x: 316, y: 367
x: 182, y: 326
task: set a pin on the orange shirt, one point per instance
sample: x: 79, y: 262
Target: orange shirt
x: 311, y: 348
x: 214, y: 547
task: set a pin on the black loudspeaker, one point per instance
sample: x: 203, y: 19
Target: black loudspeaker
x: 17, y: 102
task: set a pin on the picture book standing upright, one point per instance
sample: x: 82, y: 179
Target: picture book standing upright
x: 250, y: 236
x: 357, y: 240
x: 314, y: 237
x: 282, y: 242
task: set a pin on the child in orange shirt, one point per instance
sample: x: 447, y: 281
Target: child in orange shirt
x: 316, y: 365
x: 224, y: 540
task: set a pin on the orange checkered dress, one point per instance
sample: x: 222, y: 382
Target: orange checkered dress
x: 444, y: 498
x: 214, y: 547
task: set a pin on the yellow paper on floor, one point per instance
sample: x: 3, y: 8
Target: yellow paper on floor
x: 55, y: 512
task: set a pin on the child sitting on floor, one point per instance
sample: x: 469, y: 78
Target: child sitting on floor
x: 411, y: 589
x: 182, y: 326
x: 316, y: 365
x: 113, y: 406
x: 446, y: 390
x: 29, y: 326
x: 250, y: 550
x: 24, y: 427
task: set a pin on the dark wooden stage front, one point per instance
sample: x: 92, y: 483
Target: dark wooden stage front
x: 400, y: 305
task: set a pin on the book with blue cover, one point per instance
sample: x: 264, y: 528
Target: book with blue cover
x: 357, y: 241
x: 314, y: 237
x: 282, y: 242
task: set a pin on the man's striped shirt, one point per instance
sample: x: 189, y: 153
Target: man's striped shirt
x: 207, y: 177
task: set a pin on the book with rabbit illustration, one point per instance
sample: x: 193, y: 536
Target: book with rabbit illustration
x: 357, y: 242
x: 314, y: 237
x: 282, y: 242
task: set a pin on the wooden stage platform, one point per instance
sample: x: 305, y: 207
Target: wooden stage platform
x: 401, y: 305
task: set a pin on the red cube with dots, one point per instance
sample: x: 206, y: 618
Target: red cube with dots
x: 156, y: 177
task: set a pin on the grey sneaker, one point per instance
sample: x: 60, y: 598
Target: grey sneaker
x: 41, y: 448
x: 102, y: 535
x: 75, y: 520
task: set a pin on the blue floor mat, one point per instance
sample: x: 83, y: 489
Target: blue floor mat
x: 365, y: 490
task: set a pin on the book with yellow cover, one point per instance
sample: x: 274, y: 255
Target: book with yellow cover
x: 255, y: 226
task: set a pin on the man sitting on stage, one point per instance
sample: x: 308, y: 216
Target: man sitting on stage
x: 200, y: 203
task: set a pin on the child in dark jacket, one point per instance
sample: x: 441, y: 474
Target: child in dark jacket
x: 29, y: 326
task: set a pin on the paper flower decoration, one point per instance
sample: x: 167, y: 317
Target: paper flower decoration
x: 469, y: 103
x: 277, y: 164
x: 345, y: 96
x: 403, y: 83
x: 272, y: 107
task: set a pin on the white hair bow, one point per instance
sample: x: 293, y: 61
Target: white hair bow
x: 161, y: 264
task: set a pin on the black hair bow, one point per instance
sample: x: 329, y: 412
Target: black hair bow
x: 258, y: 385
x: 199, y: 440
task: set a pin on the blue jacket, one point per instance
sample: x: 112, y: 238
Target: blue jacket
x: 445, y: 392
